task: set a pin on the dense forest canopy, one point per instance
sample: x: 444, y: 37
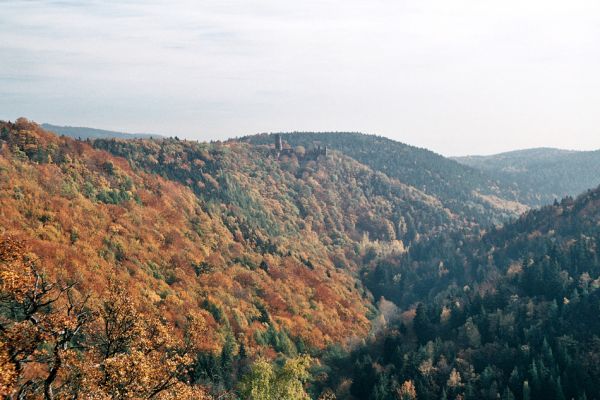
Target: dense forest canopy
x: 165, y: 268
x: 513, y: 314
x: 466, y: 191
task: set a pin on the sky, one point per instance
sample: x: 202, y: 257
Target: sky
x: 458, y: 77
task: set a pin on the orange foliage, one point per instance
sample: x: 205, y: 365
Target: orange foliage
x: 91, y: 218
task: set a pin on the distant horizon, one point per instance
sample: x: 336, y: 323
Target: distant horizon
x: 168, y: 135
x: 461, y: 77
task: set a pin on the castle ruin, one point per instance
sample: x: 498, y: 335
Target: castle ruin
x: 314, y: 153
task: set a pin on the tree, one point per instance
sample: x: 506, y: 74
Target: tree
x: 227, y: 359
x: 140, y: 356
x: 49, y: 335
x: 526, y: 391
x: 364, y: 377
x: 454, y: 383
x: 266, y: 381
x: 514, y: 381
x: 407, y: 391
x: 535, y: 379
x: 40, y: 321
x: 327, y: 394
x: 422, y: 324
x: 454, y: 380
x: 472, y: 333
x: 258, y: 383
x: 8, y: 373
x: 507, y: 395
x: 120, y: 322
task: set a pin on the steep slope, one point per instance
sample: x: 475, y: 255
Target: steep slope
x: 512, y: 314
x: 266, y: 249
x: 542, y: 174
x: 454, y: 258
x: 335, y: 197
x: 463, y: 190
x: 88, y: 217
x: 83, y: 133
x: 90, y: 214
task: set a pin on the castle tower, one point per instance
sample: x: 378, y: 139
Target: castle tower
x: 278, y: 142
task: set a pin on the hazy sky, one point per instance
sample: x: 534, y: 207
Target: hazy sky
x: 455, y: 76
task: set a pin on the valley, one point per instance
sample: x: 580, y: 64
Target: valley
x: 372, y: 270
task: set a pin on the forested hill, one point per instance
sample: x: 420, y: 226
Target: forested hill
x: 83, y: 133
x: 267, y: 195
x: 259, y: 251
x: 547, y: 174
x: 173, y: 269
x: 513, y: 315
x: 466, y: 191
x: 169, y: 285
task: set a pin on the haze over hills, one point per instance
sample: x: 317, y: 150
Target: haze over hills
x: 546, y: 174
x: 93, y: 133
x: 503, y: 160
x: 383, y: 262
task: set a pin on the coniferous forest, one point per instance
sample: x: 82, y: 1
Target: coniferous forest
x: 164, y: 268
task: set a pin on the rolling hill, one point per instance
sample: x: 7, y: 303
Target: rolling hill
x: 544, y: 174
x: 176, y: 269
x: 465, y: 191
x: 93, y: 133
x: 264, y: 249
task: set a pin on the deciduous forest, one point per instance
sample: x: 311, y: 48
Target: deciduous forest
x: 164, y: 268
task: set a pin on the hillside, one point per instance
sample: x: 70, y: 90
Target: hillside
x: 173, y: 269
x: 545, y: 174
x: 83, y: 133
x: 465, y: 191
x: 265, y: 250
x: 88, y: 217
x: 510, y: 315
x: 336, y: 197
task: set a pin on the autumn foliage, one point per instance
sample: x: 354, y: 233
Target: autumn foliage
x: 57, y: 343
x: 136, y: 273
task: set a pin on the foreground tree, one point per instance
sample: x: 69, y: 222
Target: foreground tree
x: 139, y: 356
x: 54, y: 345
x: 40, y: 323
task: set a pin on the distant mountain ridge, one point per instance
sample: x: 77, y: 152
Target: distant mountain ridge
x: 77, y: 132
x: 552, y: 173
x: 466, y: 191
x: 502, y: 160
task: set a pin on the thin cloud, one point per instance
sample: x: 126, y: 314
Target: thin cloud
x: 459, y: 77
